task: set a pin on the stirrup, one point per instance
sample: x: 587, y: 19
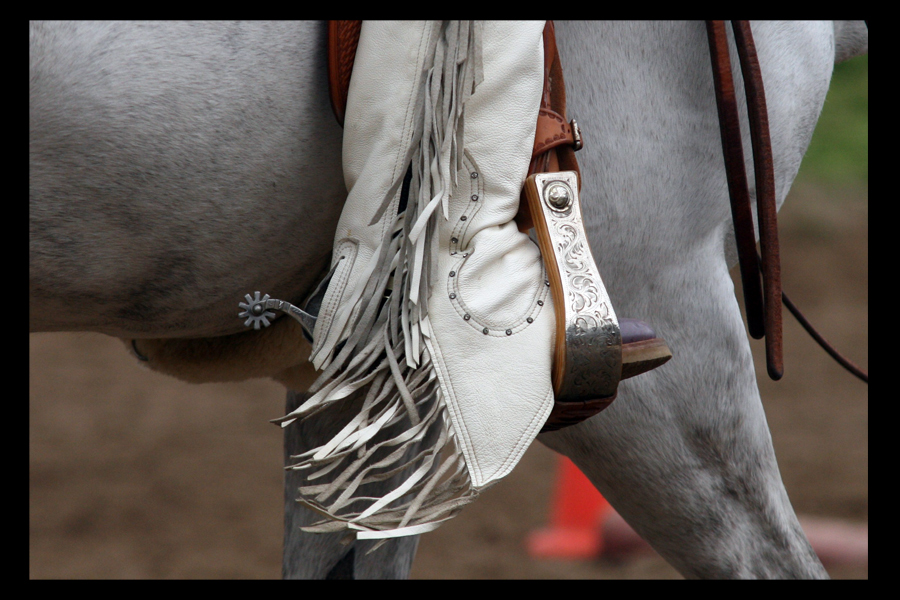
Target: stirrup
x: 590, y: 356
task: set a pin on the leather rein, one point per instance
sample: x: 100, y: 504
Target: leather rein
x: 762, y: 299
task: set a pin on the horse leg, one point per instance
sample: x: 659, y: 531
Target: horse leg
x: 325, y: 555
x: 684, y: 454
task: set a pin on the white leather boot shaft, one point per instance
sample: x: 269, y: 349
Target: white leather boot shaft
x: 439, y: 312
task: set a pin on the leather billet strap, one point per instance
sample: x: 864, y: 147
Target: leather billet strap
x: 762, y: 304
x: 555, y: 139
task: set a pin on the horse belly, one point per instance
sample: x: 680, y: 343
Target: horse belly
x: 175, y: 167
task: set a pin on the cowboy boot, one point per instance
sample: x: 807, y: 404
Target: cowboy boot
x: 438, y: 311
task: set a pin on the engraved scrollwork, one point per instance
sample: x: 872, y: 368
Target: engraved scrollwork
x: 584, y: 292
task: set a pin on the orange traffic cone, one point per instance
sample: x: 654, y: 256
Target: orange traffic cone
x: 576, y: 515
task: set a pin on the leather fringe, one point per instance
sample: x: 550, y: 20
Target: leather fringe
x: 403, y: 429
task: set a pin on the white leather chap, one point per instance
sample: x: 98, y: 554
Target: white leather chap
x: 438, y: 312
x: 494, y: 366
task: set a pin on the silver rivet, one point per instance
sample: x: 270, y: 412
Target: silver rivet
x: 509, y: 332
x: 558, y: 196
x: 454, y: 240
x: 547, y: 283
x: 452, y: 296
x: 463, y: 218
x: 452, y: 273
x: 540, y: 302
x: 484, y: 331
x: 467, y: 316
x: 530, y: 320
x: 474, y: 197
x: 257, y: 310
x: 474, y: 175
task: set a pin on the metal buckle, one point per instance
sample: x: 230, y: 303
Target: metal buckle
x: 576, y: 133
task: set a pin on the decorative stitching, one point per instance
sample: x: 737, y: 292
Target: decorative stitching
x: 564, y: 135
x: 493, y: 329
x: 459, y: 247
x: 458, y: 240
x: 346, y: 251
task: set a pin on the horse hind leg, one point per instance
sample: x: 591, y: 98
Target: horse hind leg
x: 685, y: 455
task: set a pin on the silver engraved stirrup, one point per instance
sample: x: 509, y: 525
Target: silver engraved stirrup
x: 588, y: 357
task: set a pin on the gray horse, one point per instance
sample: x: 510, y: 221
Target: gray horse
x: 176, y: 166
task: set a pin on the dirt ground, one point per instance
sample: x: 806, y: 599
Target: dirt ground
x: 136, y: 475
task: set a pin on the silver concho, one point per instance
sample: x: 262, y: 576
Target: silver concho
x: 558, y: 195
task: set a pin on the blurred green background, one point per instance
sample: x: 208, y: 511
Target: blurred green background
x: 839, y: 153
